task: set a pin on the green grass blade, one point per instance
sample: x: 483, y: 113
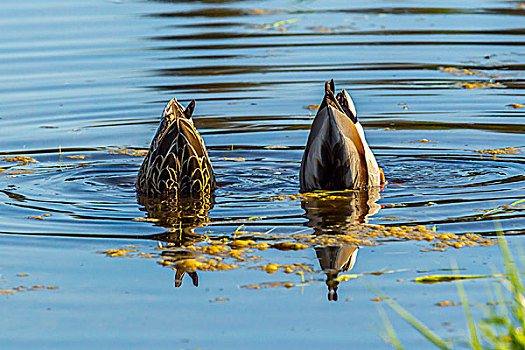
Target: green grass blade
x: 474, y: 340
x: 412, y: 320
x: 392, y: 336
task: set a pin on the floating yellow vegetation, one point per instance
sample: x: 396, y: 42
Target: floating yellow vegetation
x: 496, y: 151
x: 366, y: 235
x: 113, y: 253
x: 327, y: 29
x: 378, y: 299
x: 239, y: 243
x: 220, y: 254
x: 25, y: 289
x: 322, y: 29
x: 432, y: 250
x: 17, y: 171
x: 260, y: 12
x: 21, y: 160
x: 504, y: 207
x: 477, y: 85
x: 239, y: 159
x: 447, y: 303
x: 310, y: 107
x: 251, y: 286
x: 459, y: 71
x: 470, y: 85
x: 219, y: 299
x: 131, y: 152
x: 347, y: 277
x: 269, y: 285
x: 7, y: 291
x: 76, y: 157
x: 378, y: 273
x: 324, y: 195
x: 276, y: 24
x: 35, y: 217
x: 432, y: 279
x: 276, y: 147
x: 298, y: 268
x: 203, y: 264
x: 289, y: 246
x: 270, y: 268
x: 516, y: 105
x: 142, y: 219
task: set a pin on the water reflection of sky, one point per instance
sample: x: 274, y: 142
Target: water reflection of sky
x: 88, y: 79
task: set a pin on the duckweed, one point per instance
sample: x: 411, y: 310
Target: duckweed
x: 142, y: 219
x: 21, y: 160
x: 219, y: 299
x: 344, y: 278
x: 310, y: 107
x: 447, y: 303
x: 113, y: 253
x: 130, y: 152
x: 221, y: 254
x: 431, y: 279
x: 496, y: 151
x: 269, y: 285
x: 35, y: 217
x: 289, y: 246
x: 459, y: 71
x: 26, y: 289
x: 477, y: 85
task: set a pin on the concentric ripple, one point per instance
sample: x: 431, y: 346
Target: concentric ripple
x: 256, y: 71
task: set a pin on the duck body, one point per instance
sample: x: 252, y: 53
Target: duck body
x: 337, y: 156
x: 177, y: 164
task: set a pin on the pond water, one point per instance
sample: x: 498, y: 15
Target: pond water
x: 83, y: 85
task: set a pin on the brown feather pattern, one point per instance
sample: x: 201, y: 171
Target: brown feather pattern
x: 177, y: 164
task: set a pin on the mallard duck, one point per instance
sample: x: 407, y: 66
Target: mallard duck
x: 177, y: 164
x: 337, y: 156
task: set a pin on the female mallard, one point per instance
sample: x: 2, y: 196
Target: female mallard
x: 337, y: 156
x: 177, y: 164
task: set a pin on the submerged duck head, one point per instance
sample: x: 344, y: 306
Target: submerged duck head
x: 337, y: 156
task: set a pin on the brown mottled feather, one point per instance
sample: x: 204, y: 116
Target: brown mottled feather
x: 177, y: 164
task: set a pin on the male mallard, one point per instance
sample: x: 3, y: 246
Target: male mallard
x: 177, y: 164
x: 337, y: 156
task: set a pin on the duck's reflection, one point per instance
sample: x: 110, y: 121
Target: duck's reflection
x: 178, y: 214
x: 177, y: 254
x: 181, y: 218
x: 328, y: 213
x: 334, y: 260
x: 338, y: 213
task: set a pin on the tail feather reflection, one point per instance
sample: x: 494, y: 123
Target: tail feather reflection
x: 337, y: 213
x: 181, y: 218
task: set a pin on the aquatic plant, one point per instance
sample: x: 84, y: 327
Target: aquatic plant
x: 500, y: 328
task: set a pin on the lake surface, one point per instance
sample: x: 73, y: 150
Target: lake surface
x: 83, y: 85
